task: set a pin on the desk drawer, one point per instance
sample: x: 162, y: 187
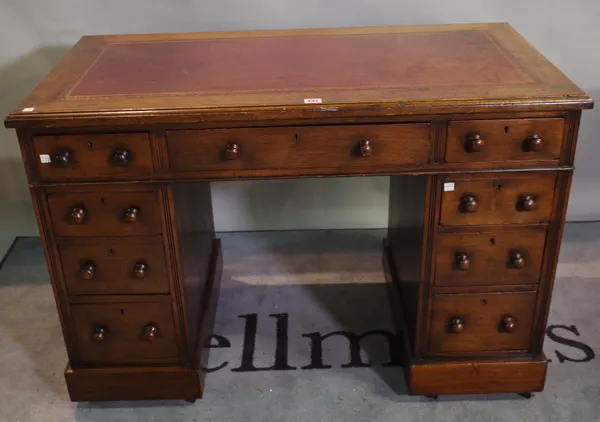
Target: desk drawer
x: 489, y: 258
x: 125, y: 333
x: 357, y: 146
x: 92, y: 156
x: 504, y: 140
x: 105, y: 213
x: 481, y: 322
x: 497, y: 200
x: 114, y: 265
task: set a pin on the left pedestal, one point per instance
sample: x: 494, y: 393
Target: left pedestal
x: 135, y: 272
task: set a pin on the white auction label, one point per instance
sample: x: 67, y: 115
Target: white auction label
x: 313, y: 101
x: 448, y: 186
x: 28, y: 109
x: 45, y: 159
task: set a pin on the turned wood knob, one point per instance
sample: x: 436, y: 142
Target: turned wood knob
x: 462, y: 261
x: 63, y: 159
x: 535, y: 143
x: 232, y: 151
x: 131, y: 214
x: 77, y: 215
x: 517, y: 261
x: 457, y: 325
x: 140, y: 270
x: 365, y: 148
x: 509, y: 324
x: 475, y: 143
x: 120, y: 157
x: 469, y: 204
x: 527, y: 203
x: 99, y: 334
x: 87, y: 270
x: 150, y: 332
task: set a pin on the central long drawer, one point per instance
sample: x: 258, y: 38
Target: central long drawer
x: 356, y: 146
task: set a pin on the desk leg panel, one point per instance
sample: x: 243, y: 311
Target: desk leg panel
x: 195, y: 250
x: 410, y: 227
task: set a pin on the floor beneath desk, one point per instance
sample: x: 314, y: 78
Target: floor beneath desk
x: 298, y: 287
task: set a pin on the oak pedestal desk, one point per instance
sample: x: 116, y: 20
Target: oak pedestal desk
x: 476, y: 130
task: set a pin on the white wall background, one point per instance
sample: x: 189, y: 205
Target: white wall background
x: 34, y: 34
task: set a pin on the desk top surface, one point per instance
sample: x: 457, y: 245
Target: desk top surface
x: 404, y: 69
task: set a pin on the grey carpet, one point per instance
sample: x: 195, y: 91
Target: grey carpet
x: 307, y: 284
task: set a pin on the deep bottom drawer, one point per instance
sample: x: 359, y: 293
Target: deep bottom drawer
x: 125, y: 333
x: 481, y: 322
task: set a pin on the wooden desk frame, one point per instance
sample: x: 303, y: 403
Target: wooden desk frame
x: 437, y: 362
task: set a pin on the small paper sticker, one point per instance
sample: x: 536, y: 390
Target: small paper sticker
x: 313, y: 101
x: 448, y: 186
x: 45, y: 159
x: 28, y: 109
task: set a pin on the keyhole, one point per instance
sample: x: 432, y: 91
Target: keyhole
x: 122, y: 312
x: 498, y: 188
x: 295, y: 140
x: 484, y: 302
x: 506, y: 129
x: 90, y: 145
x: 102, y: 200
x: 111, y: 252
x: 492, y: 241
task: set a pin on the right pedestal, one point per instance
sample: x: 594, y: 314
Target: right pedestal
x: 470, y: 259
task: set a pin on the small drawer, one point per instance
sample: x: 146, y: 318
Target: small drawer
x: 504, y: 140
x: 125, y: 333
x: 92, y: 156
x: 105, y: 213
x: 497, y: 200
x: 357, y: 146
x: 489, y: 258
x: 114, y: 265
x: 481, y: 322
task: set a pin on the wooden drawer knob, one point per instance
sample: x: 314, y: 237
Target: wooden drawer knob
x: 87, y: 270
x: 232, y: 151
x: 462, y: 261
x: 99, y: 334
x: 475, y: 143
x: 78, y: 215
x: 469, y: 204
x: 517, y: 260
x: 63, y: 159
x: 527, y: 203
x: 131, y: 214
x: 120, y: 158
x: 140, y: 270
x: 150, y: 332
x: 535, y: 143
x: 365, y: 148
x: 509, y: 323
x: 457, y: 325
